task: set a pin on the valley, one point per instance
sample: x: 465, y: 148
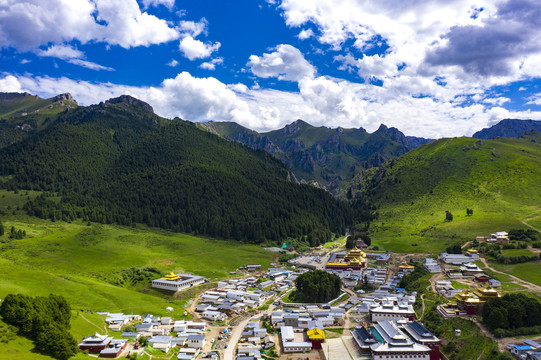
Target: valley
x: 98, y: 201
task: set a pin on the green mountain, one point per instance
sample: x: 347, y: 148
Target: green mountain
x: 22, y: 114
x: 118, y: 162
x: 499, y: 179
x: 329, y: 157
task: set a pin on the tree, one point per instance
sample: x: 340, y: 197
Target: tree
x: 318, y: 286
x: 350, y: 242
x: 43, y: 319
x: 454, y: 249
x: 143, y: 341
x: 448, y: 216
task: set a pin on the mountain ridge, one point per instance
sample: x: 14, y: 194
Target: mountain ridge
x: 327, y: 157
x: 508, y: 128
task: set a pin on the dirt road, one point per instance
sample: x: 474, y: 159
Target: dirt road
x: 526, y: 284
x: 236, y: 332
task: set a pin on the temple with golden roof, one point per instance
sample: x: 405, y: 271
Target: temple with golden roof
x: 472, y: 301
x: 355, y: 259
x: 176, y: 282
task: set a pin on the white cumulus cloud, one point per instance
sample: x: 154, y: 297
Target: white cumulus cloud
x: 306, y: 34
x: 62, y: 52
x: 285, y: 63
x: 167, y: 3
x: 27, y: 24
x: 211, y: 65
x: 196, y: 49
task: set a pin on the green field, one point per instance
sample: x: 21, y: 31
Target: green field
x: 528, y: 271
x: 517, y: 252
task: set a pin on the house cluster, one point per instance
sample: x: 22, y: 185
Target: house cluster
x: 468, y: 302
x: 116, y: 321
x: 445, y: 288
x: 399, y: 340
x: 307, y: 317
x: 105, y: 346
x: 527, y: 350
x: 350, y: 278
x: 466, y: 269
x: 302, y: 329
x: 253, y: 340
x: 375, y: 275
x: 236, y: 296
x: 500, y: 237
x: 190, y: 335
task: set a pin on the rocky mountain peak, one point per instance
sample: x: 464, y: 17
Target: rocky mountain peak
x: 294, y: 127
x: 127, y: 99
x: 65, y: 96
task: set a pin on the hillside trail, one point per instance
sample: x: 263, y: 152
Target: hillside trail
x: 526, y: 284
x: 528, y: 225
x: 96, y: 326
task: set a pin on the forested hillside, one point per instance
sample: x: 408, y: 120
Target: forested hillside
x: 117, y: 162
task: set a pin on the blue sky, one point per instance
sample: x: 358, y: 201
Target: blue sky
x: 434, y: 69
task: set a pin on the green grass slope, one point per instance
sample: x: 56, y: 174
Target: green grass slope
x: 499, y: 179
x: 82, y: 262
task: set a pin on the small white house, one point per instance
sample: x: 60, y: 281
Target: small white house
x: 213, y: 315
x: 196, y: 341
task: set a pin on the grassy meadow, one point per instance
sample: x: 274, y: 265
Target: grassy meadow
x: 76, y: 260
x: 80, y: 261
x: 499, y: 181
x: 528, y: 271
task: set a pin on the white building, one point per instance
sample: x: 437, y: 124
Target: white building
x: 176, y: 282
x: 391, y: 312
x: 432, y: 266
x: 196, y: 341
x: 289, y: 344
x: 397, y: 345
x: 458, y: 259
x: 213, y: 315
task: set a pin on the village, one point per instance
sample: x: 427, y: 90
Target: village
x: 250, y: 317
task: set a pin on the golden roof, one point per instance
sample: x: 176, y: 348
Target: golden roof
x: 316, y: 334
x: 465, y: 296
x: 406, y: 267
x: 171, y: 276
x: 486, y: 292
x: 356, y: 252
